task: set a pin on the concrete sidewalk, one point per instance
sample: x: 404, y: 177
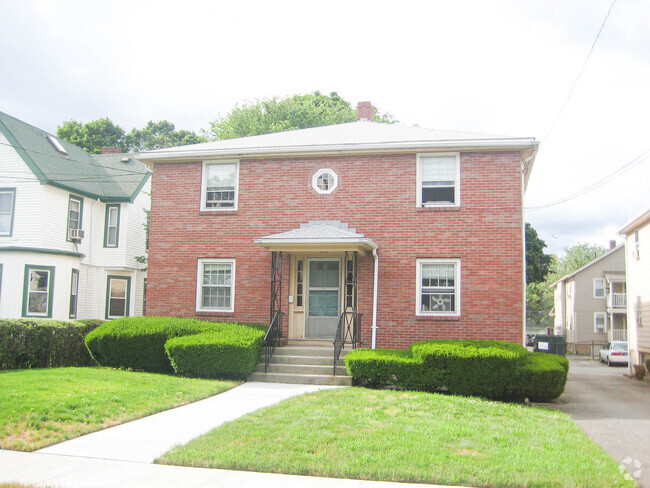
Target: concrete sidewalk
x: 121, y: 456
x: 57, y: 471
x: 145, y: 439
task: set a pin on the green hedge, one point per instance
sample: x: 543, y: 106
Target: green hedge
x: 491, y: 369
x: 140, y: 343
x: 231, y: 350
x: 39, y: 343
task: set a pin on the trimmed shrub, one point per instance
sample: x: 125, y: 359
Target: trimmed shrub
x: 139, y: 342
x: 647, y: 364
x: 544, y: 376
x: 492, y: 369
x: 93, y: 322
x: 471, y: 367
x: 231, y: 350
x: 39, y: 343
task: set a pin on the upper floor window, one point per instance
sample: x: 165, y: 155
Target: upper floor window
x: 216, y: 285
x: 112, y: 226
x: 7, y: 198
x: 219, y: 185
x: 438, y: 287
x: 599, y: 288
x: 438, y: 180
x: 324, y: 181
x: 75, y: 214
x: 636, y: 244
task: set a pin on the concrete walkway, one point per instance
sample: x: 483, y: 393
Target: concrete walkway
x: 120, y: 456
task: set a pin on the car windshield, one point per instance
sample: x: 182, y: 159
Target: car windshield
x: 621, y: 346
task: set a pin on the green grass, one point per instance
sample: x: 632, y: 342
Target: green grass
x: 40, y: 407
x: 407, y: 436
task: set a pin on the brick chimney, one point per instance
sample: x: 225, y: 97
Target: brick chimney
x: 612, y: 244
x: 111, y: 150
x: 365, y: 111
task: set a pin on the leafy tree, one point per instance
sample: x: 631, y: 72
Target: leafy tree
x: 575, y: 257
x: 539, y: 302
x: 159, y: 135
x: 281, y: 114
x: 537, y: 263
x: 93, y: 135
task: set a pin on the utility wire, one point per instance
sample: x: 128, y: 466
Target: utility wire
x: 582, y: 68
x: 615, y: 174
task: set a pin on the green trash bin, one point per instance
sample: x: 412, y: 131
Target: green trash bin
x: 550, y: 344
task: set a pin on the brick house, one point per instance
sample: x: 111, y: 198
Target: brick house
x: 418, y: 231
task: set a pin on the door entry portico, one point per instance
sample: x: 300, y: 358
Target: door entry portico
x: 323, y: 298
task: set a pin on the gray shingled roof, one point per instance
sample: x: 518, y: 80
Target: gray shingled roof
x: 358, y: 135
x: 321, y: 231
x: 104, y: 177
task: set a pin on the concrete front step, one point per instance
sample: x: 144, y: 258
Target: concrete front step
x: 310, y: 360
x: 301, y: 369
x: 309, y: 351
x: 303, y: 379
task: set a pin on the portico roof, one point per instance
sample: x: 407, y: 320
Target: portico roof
x: 319, y: 235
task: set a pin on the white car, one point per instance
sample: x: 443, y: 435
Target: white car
x: 614, y: 353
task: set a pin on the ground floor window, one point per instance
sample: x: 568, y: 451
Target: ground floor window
x: 438, y: 287
x: 600, y: 321
x: 118, y: 290
x: 38, y: 290
x: 215, y: 285
x: 74, y: 293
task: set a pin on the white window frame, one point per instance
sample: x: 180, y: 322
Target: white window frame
x: 199, y: 284
x: 595, y: 288
x: 418, y: 287
x: 204, y: 184
x: 418, y: 186
x: 638, y: 311
x: 333, y: 185
x: 12, y: 192
x: 604, y: 316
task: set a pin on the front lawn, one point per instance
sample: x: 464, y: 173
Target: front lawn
x: 40, y: 407
x: 407, y: 436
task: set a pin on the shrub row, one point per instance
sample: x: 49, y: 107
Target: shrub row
x: 491, y: 369
x: 186, y: 346
x: 39, y: 343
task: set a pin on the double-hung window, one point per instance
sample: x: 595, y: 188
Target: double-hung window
x: 599, y: 288
x: 215, y: 291
x: 37, y: 291
x: 112, y: 226
x: 219, y: 185
x: 75, y: 214
x: 600, y: 324
x: 438, y: 287
x: 74, y: 293
x: 438, y: 180
x: 7, y: 199
x: 118, y: 291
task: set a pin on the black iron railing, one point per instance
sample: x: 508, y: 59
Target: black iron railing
x: 272, y: 338
x: 347, y: 332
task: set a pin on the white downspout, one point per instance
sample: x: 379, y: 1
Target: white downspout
x: 374, y: 299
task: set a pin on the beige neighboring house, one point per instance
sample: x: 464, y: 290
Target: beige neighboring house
x: 637, y: 258
x: 590, y: 303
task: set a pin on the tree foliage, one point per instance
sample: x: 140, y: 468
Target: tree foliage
x: 94, y: 135
x: 159, y: 135
x: 574, y: 257
x: 537, y: 262
x: 281, y: 114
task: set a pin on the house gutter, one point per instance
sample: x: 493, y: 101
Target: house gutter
x: 374, y: 299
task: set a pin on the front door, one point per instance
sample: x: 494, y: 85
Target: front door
x: 323, y: 298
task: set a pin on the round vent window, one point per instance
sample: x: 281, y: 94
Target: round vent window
x: 324, y: 181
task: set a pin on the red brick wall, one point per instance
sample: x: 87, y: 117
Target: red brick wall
x: 377, y: 196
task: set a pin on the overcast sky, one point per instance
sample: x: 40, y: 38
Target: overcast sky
x: 498, y: 67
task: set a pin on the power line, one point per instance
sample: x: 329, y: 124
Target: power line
x: 615, y: 174
x: 582, y: 68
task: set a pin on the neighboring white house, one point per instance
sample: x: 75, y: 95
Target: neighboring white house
x: 71, y: 226
x: 590, y: 303
x: 637, y: 259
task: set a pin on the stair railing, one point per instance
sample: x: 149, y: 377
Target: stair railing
x: 272, y: 338
x: 347, y: 331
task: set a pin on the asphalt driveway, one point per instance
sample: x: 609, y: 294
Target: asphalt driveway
x: 614, y: 410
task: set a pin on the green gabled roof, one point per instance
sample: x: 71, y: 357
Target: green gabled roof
x: 104, y: 176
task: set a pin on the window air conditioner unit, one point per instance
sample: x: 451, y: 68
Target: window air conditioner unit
x: 75, y: 234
